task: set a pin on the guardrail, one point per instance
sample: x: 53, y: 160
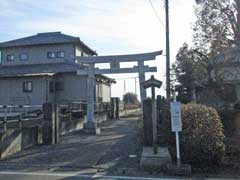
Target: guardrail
x: 66, y: 110
x: 19, y: 113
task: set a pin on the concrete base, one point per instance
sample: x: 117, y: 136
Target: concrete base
x: 181, y: 170
x: 151, y: 160
x: 91, y: 128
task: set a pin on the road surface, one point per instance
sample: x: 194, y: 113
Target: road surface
x: 75, y: 176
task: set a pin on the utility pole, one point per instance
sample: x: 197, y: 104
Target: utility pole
x: 135, y: 85
x: 168, y: 94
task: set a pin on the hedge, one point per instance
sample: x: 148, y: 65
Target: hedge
x: 202, y: 138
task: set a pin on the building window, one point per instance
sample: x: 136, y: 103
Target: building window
x: 82, y: 54
x: 60, y: 54
x: 10, y: 57
x: 51, y: 86
x: 27, y: 86
x: 51, y: 55
x: 58, y: 86
x: 23, y: 57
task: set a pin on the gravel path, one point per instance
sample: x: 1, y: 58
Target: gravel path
x: 116, y: 147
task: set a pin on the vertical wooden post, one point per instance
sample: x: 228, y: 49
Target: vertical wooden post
x: 154, y: 122
x: 20, y: 121
x: 152, y: 82
x: 57, y: 130
x: 117, y: 108
x: 48, y: 128
x: 5, y: 119
x: 53, y: 124
x: 70, y: 111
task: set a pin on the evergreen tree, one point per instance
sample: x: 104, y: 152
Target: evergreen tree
x: 218, y: 25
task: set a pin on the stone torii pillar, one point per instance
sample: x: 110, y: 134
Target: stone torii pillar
x: 141, y: 72
x: 90, y: 126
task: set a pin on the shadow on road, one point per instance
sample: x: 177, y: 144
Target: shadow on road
x: 115, y: 149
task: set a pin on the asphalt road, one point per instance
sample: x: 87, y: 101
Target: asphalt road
x: 117, y: 147
x: 69, y: 176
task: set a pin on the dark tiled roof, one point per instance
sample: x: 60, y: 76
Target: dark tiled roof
x: 47, y: 38
x: 31, y: 69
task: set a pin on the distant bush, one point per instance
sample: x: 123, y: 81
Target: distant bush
x: 202, y: 141
x: 132, y: 106
x: 130, y: 98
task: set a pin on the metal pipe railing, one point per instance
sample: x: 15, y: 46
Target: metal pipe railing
x: 21, y: 115
x: 82, y: 107
x: 24, y: 111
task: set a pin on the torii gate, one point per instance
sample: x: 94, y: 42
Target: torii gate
x: 115, y: 68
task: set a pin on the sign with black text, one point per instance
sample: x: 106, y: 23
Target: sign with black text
x: 176, y: 119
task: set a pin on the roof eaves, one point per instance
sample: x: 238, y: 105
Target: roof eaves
x: 82, y: 44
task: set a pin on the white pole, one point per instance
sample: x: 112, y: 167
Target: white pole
x: 178, y: 149
x: 177, y: 135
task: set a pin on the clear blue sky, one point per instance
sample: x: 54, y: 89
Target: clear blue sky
x: 108, y: 26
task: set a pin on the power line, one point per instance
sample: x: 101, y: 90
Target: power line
x: 126, y: 78
x: 156, y: 13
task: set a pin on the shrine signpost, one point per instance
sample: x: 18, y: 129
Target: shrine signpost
x: 153, y: 83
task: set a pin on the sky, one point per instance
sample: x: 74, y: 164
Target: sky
x: 107, y: 26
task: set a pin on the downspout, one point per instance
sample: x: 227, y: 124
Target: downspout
x: 46, y: 89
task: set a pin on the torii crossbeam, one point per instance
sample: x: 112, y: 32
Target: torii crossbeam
x: 115, y: 68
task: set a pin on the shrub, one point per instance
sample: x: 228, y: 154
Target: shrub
x: 130, y: 98
x: 165, y: 135
x: 202, y: 141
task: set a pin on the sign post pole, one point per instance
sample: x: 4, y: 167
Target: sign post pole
x: 178, y: 149
x: 176, y: 124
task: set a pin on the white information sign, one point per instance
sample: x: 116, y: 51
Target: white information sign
x: 176, y: 119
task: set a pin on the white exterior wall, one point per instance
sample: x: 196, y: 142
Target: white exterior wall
x: 11, y: 91
x: 103, y: 91
x: 75, y: 88
x: 37, y: 54
x: 80, y: 52
x: 106, y: 93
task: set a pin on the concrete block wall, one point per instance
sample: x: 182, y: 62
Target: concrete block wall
x: 15, y: 140
x: 67, y: 125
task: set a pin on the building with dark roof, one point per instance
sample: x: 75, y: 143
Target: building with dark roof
x: 42, y: 68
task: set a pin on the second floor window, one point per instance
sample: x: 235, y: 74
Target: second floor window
x: 51, y: 55
x: 27, y: 86
x: 10, y: 57
x: 60, y: 54
x: 56, y: 86
x: 23, y: 57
